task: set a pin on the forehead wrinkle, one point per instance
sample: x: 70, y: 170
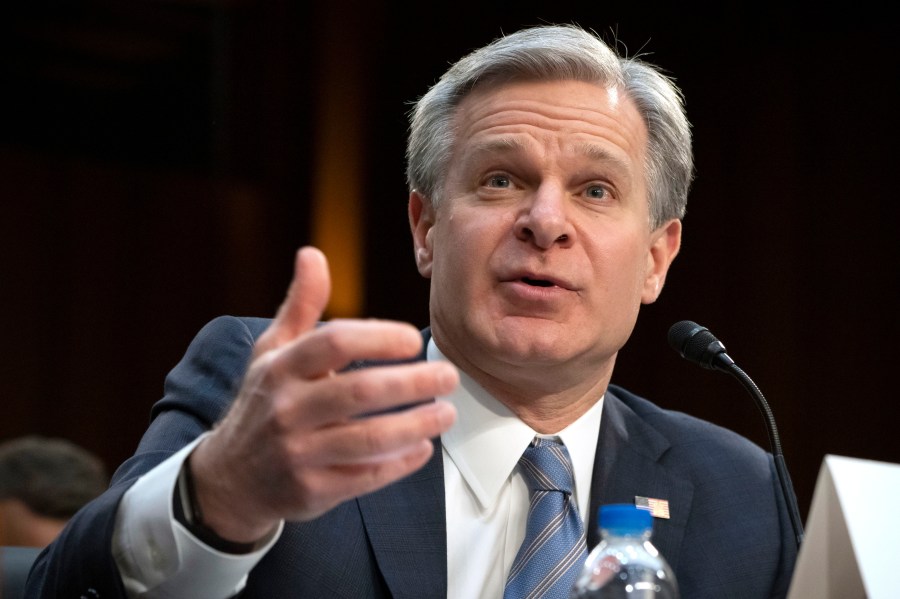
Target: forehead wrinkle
x: 539, y: 126
x: 504, y: 144
x: 509, y: 144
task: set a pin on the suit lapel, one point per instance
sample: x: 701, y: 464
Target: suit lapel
x: 406, y: 524
x: 628, y: 464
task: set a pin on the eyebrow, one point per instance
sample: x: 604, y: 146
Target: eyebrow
x: 599, y: 154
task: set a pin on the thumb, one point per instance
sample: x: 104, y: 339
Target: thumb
x: 306, y: 300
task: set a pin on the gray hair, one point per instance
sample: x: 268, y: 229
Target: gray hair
x: 558, y: 52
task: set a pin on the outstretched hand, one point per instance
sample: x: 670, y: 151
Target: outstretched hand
x: 302, y: 437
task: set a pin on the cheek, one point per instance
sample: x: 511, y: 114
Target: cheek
x: 466, y: 236
x: 451, y: 251
x: 463, y: 248
x: 620, y: 266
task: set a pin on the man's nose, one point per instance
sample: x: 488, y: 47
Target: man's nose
x: 544, y: 218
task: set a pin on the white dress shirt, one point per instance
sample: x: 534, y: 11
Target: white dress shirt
x: 487, y: 508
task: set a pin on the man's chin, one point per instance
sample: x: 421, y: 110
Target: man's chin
x: 523, y: 342
x: 536, y: 349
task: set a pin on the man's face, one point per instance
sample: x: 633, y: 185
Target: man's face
x: 540, y: 253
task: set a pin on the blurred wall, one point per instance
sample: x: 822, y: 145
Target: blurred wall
x: 159, y: 162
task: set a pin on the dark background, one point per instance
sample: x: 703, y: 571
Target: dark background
x: 156, y: 166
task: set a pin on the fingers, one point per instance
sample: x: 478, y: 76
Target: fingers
x: 377, y: 440
x: 305, y: 302
x: 363, y: 392
x: 336, y: 344
x: 343, y: 341
x: 343, y: 462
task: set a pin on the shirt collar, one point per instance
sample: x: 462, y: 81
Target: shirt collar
x: 486, y: 427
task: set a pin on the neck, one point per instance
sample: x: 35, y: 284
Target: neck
x: 547, y: 398
x: 545, y: 411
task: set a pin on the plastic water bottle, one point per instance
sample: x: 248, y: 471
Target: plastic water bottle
x: 625, y: 564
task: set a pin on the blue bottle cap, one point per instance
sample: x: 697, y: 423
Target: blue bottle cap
x: 625, y: 519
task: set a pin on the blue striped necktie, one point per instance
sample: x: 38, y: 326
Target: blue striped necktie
x: 554, y: 549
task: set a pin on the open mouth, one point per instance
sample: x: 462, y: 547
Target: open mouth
x: 537, y: 282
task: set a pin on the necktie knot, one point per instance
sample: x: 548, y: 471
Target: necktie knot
x: 546, y: 466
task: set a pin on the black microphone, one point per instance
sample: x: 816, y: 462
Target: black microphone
x: 696, y: 344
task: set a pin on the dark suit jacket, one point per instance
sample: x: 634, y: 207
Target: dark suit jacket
x: 729, y: 534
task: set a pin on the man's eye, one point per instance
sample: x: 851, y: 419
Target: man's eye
x: 498, y: 181
x: 596, y: 192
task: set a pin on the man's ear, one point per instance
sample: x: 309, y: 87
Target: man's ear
x: 421, y: 221
x: 664, y: 245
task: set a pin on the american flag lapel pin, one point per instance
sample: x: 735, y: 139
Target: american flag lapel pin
x: 658, y: 508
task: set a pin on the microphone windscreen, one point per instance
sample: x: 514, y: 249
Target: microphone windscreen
x: 681, y: 333
x: 694, y: 342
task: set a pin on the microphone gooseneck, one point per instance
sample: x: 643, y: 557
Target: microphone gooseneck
x: 697, y: 344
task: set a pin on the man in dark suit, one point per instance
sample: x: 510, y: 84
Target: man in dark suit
x: 291, y: 458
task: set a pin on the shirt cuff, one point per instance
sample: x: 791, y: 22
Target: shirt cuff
x: 158, y: 557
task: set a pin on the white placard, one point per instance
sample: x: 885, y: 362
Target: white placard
x: 851, y: 548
